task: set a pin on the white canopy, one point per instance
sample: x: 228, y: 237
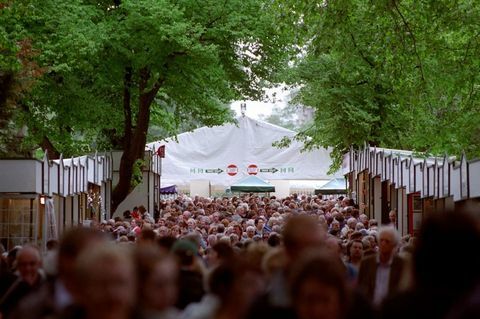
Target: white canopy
x: 225, y: 154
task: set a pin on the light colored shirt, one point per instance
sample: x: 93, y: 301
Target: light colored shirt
x: 62, y: 296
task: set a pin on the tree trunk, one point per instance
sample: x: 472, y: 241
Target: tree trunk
x: 47, y: 145
x: 135, y: 140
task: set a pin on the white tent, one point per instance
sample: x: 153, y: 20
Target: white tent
x: 225, y: 154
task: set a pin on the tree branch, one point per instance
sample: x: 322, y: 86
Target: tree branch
x: 127, y: 109
x: 420, y: 65
x: 360, y: 51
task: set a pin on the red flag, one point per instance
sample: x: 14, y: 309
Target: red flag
x: 161, y: 151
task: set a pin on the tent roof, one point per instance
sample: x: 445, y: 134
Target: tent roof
x: 172, y: 189
x: 334, y: 186
x: 252, y: 184
x: 223, y: 154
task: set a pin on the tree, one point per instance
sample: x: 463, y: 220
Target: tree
x: 397, y: 74
x: 18, y: 73
x: 115, y: 67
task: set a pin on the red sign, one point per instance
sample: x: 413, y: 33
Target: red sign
x: 232, y: 169
x: 252, y: 169
x: 161, y: 151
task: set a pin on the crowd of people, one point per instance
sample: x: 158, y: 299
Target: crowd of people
x: 302, y: 257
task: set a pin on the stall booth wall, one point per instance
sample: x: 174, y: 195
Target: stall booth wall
x: 363, y: 193
x: 143, y: 193
x: 415, y: 187
x: 376, y: 198
x: 41, y: 198
x: 18, y: 219
x: 471, y: 205
x: 474, y: 178
x: 21, y: 176
x: 58, y: 205
x: 402, y: 211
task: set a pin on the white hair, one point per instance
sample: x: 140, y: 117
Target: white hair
x: 390, y: 230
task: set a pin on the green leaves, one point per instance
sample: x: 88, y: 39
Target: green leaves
x: 194, y: 57
x: 398, y: 74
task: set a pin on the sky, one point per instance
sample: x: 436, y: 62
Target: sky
x: 277, y: 98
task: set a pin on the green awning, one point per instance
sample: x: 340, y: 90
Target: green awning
x: 334, y: 186
x: 252, y: 184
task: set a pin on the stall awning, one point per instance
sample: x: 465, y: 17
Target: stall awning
x: 334, y: 186
x: 252, y: 184
x: 172, y: 189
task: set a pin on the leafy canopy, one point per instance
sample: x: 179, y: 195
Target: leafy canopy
x: 200, y: 55
x: 398, y: 74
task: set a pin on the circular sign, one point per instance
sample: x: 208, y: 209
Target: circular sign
x: 252, y: 169
x: 232, y: 169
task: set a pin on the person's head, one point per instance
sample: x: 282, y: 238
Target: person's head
x: 334, y: 245
x: 240, y: 211
x: 301, y: 232
x: 446, y: 260
x: 191, y: 223
x: 185, y: 250
x: 52, y: 245
x: 158, y: 274
x: 237, y: 229
x: 147, y: 236
x: 234, y: 239
x: 237, y: 284
x: 359, y: 226
x: 73, y: 242
x: 29, y: 262
x: 388, y: 239
x: 186, y: 215
x: 274, y: 239
x: 355, y: 250
x: 250, y: 231
x: 318, y: 286
x: 106, y: 285
x: 220, y: 252
x: 335, y: 225
x: 259, y: 222
x: 352, y: 222
x: 220, y: 228
x: 392, y: 216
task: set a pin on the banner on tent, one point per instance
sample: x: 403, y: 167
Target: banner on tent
x: 227, y: 153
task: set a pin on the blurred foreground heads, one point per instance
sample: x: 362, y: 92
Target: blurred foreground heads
x: 446, y: 271
x: 318, y: 286
x: 106, y: 283
x: 157, y: 273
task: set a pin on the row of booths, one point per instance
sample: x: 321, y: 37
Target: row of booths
x: 381, y: 180
x: 41, y: 198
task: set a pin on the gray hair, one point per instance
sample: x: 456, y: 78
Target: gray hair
x: 390, y: 230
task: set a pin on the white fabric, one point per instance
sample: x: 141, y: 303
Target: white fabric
x: 248, y: 143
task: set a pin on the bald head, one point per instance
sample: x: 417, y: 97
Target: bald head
x: 29, y: 262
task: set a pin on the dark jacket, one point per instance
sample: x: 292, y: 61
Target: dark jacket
x: 368, y: 274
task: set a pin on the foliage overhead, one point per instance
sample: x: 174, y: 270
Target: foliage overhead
x: 196, y: 55
x: 398, y: 74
